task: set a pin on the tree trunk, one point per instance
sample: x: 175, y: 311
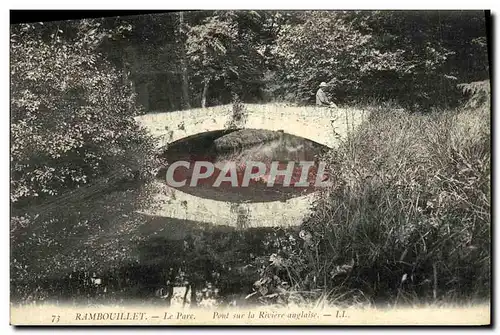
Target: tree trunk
x: 204, y: 94
x: 194, y: 303
x: 184, y: 300
x: 185, y: 83
x: 144, y: 94
x: 170, y: 284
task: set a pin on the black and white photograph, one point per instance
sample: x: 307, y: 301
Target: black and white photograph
x: 250, y: 167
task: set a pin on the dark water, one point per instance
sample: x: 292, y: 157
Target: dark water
x: 240, y: 146
x: 170, y: 253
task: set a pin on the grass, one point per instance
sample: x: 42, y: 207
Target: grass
x: 408, y: 218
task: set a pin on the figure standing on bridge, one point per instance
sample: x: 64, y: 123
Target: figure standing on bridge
x: 322, y: 98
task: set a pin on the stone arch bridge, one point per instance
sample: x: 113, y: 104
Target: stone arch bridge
x: 321, y: 125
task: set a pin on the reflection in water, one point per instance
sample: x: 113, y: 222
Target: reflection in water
x: 240, y: 146
x: 166, y: 253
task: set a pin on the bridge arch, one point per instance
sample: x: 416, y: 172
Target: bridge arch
x: 322, y: 125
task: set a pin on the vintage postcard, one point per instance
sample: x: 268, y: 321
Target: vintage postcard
x: 251, y: 167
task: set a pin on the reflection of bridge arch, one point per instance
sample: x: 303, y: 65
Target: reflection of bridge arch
x: 317, y: 124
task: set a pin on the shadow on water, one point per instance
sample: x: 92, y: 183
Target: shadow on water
x: 241, y: 146
x: 205, y: 258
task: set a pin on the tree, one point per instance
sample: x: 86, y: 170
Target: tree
x: 319, y: 46
x: 185, y: 81
x: 219, y: 50
x: 412, y: 57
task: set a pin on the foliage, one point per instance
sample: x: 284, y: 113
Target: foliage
x: 321, y: 48
x: 479, y: 93
x: 413, y: 57
x: 219, y: 50
x: 371, y: 54
x: 72, y: 116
